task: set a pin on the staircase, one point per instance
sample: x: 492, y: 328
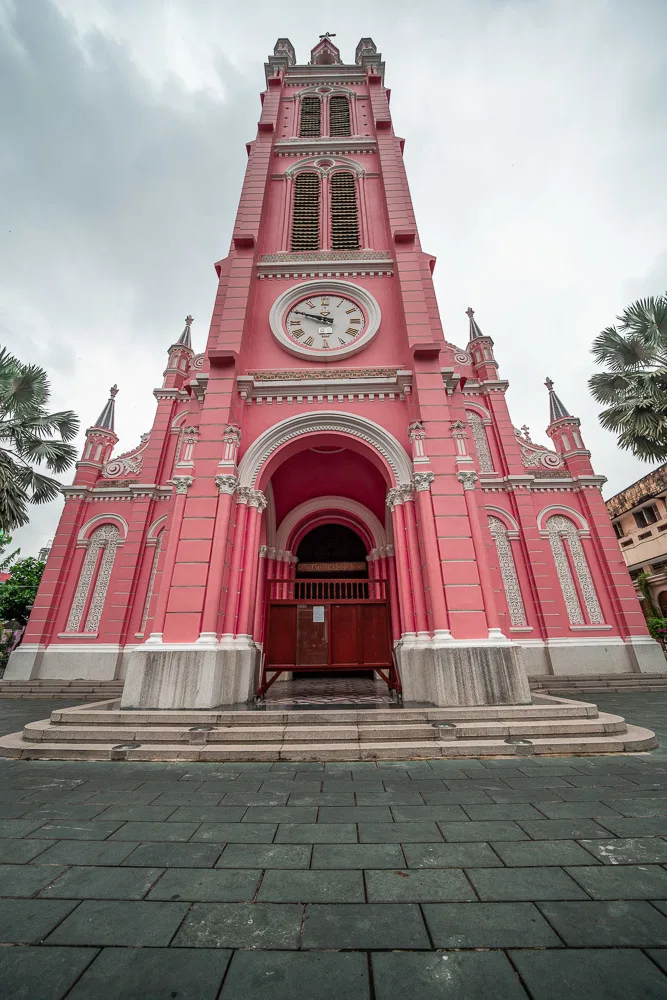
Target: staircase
x: 573, y: 684
x: 56, y: 689
x: 104, y: 731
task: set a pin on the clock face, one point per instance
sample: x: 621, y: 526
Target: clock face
x: 325, y: 323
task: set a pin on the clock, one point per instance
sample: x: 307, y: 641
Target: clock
x: 324, y: 320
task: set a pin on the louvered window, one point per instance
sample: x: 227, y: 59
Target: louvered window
x: 306, y: 217
x: 344, y: 221
x: 310, y: 116
x: 339, y: 116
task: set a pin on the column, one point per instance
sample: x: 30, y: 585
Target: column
x: 468, y: 480
x: 414, y: 562
x: 227, y: 486
x: 393, y: 594
x: 422, y: 484
x: 256, y: 505
x: 182, y: 484
x: 260, y: 595
x: 407, y: 617
x: 242, y: 497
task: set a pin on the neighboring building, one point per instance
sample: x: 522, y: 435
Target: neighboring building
x: 331, y: 479
x: 43, y: 553
x: 639, y: 516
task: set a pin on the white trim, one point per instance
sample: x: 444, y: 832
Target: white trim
x: 109, y: 518
x: 311, y: 164
x: 328, y: 286
x: 476, y: 407
x: 154, y: 529
x: 501, y: 513
x: 332, y: 504
x: 326, y: 421
x: 559, y: 508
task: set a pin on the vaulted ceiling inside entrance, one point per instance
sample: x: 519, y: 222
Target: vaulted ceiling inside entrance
x: 314, y: 473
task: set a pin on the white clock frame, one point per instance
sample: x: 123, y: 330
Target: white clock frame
x: 324, y: 286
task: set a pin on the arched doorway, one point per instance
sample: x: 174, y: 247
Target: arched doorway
x: 332, y: 550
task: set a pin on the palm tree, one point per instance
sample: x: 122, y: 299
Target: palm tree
x: 29, y: 435
x: 634, y: 387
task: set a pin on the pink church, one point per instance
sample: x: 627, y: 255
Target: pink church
x: 332, y: 486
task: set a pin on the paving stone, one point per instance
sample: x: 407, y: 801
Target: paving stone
x: 456, y: 796
x: 489, y: 925
x: 110, y: 922
x: 17, y: 852
x: 281, y: 814
x: 236, y: 833
x: 397, y: 833
x: 512, y: 811
x: 86, y: 852
x: 139, y: 814
x: 25, y: 880
x: 125, y: 798
x: 636, y: 826
x: 425, y: 814
x: 287, y: 975
x: 138, y: 831
x: 451, y: 855
x: 174, y: 855
x: 316, y: 833
x: 524, y: 883
x: 347, y: 798
x: 54, y: 812
x: 543, y: 852
x: 660, y: 958
x: 445, y: 975
x: 241, y: 925
x: 239, y: 798
x: 588, y: 974
x: 482, y: 830
x: 81, y: 830
x: 660, y: 905
x: 636, y: 851
x: 410, y: 886
x: 617, y: 923
x: 354, y: 814
x: 207, y: 885
x: 574, y: 810
x: 207, y: 814
x: 341, y: 856
x: 18, y: 827
x: 364, y: 926
x: 622, y: 882
x: 562, y: 829
x: 152, y: 974
x: 84, y: 882
x: 409, y: 797
x: 265, y: 856
x: 41, y: 973
x: 312, y: 887
x: 631, y: 806
x: 28, y: 921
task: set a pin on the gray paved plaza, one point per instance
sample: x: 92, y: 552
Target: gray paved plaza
x: 418, y: 880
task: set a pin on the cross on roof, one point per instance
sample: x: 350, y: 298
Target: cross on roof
x: 327, y: 34
x: 526, y: 431
x: 113, y: 391
x: 549, y: 384
x: 189, y: 320
x: 470, y: 312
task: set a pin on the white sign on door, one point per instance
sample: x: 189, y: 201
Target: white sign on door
x: 318, y: 613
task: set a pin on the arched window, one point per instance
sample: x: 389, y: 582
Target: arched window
x: 306, y: 214
x: 93, y: 582
x: 484, y: 459
x: 310, y: 123
x: 339, y: 115
x: 344, y: 218
x: 569, y: 555
x: 508, y: 572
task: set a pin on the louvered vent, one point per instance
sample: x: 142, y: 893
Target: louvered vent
x: 344, y: 221
x: 339, y: 116
x: 306, y: 217
x: 310, y: 116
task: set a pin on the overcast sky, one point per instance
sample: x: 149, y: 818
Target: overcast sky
x: 536, y: 144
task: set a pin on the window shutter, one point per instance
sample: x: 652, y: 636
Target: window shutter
x: 306, y: 215
x: 344, y: 220
x: 339, y: 115
x: 310, y: 117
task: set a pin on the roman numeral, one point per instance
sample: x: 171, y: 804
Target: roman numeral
x: 341, y: 341
x: 357, y: 320
x: 309, y: 341
x: 297, y: 333
x: 351, y: 330
x: 324, y: 300
x: 311, y: 305
x: 324, y: 344
x: 339, y: 303
x: 352, y: 310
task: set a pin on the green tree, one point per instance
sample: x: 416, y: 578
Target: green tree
x: 6, y: 561
x: 29, y: 435
x: 17, y: 595
x: 633, y: 388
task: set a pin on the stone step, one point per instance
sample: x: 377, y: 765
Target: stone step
x: 634, y: 739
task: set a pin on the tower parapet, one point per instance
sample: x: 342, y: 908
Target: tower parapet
x: 565, y: 432
x: 100, y: 441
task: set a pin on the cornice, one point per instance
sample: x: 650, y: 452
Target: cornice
x: 326, y: 385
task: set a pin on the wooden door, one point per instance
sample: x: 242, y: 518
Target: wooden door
x: 374, y: 634
x: 281, y: 645
x: 345, y: 637
x: 312, y: 635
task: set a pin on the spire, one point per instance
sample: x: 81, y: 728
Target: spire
x: 106, y: 417
x: 475, y: 332
x: 184, y: 339
x: 556, y: 409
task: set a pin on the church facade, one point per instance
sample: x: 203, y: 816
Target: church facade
x: 332, y: 485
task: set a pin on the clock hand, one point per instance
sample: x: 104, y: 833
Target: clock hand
x: 320, y: 319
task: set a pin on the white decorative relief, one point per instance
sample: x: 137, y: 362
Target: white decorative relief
x: 128, y: 464
x: 562, y: 531
x: 508, y: 572
x: 481, y: 442
x: 106, y: 539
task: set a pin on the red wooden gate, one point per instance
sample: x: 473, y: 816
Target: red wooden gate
x: 332, y: 625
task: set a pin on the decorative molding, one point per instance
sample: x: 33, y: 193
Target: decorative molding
x: 561, y: 530
x: 104, y: 539
x: 310, y: 385
x: 324, y: 166
x: 227, y: 484
x: 515, y: 605
x: 574, y: 515
x: 87, y: 529
x: 321, y: 505
x: 395, y: 497
x: 422, y: 481
x: 130, y: 463
x: 257, y: 499
x: 326, y: 422
x: 467, y: 479
x: 182, y: 483
x: 484, y: 459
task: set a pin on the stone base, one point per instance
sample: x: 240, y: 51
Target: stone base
x: 190, y: 677
x: 453, y: 675
x: 65, y: 661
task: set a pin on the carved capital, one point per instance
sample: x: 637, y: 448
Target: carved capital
x: 232, y: 434
x: 422, y: 481
x: 459, y: 429
x: 416, y: 431
x: 243, y: 494
x: 394, y: 497
x: 182, y: 483
x: 467, y: 479
x: 257, y: 499
x: 389, y: 550
x: 407, y: 491
x: 263, y: 551
x: 227, y: 484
